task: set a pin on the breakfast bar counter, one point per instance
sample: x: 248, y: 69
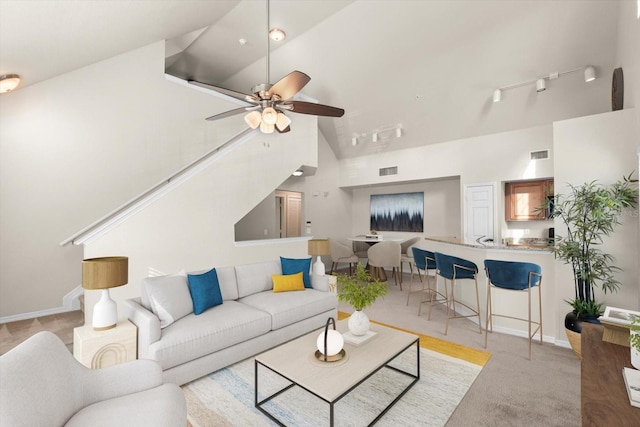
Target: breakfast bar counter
x: 510, y: 303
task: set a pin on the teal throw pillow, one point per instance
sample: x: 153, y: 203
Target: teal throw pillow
x: 297, y: 265
x: 205, y: 290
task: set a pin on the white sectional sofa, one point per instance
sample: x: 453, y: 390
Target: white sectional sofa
x: 252, y: 318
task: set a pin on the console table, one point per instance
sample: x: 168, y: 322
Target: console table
x: 604, y: 400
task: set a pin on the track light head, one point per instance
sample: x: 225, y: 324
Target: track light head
x: 497, y: 95
x: 589, y: 74
x: 541, y: 86
x: 374, y: 137
x: 354, y: 140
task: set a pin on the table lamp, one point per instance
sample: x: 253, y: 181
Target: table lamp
x: 104, y: 273
x: 319, y: 247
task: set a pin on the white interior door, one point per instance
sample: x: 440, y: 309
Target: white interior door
x: 479, y: 212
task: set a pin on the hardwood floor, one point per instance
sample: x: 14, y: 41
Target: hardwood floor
x: 13, y: 333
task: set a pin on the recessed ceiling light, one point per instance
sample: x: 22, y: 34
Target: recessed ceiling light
x: 242, y: 42
x: 297, y: 173
x: 277, y: 35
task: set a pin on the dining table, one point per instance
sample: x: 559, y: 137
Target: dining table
x: 376, y: 273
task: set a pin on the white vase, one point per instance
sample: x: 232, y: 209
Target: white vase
x: 635, y: 355
x: 358, y: 323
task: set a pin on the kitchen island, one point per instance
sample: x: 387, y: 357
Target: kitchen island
x: 506, y: 302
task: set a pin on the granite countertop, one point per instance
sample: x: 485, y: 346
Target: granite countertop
x: 524, y: 244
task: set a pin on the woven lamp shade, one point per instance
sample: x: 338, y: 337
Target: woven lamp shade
x: 319, y: 247
x: 105, y: 273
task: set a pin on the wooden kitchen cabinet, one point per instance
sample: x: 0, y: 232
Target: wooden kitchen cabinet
x: 522, y: 198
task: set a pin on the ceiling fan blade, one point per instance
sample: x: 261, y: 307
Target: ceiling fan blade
x: 232, y: 113
x: 285, y: 130
x: 232, y: 93
x: 290, y: 84
x: 302, y: 107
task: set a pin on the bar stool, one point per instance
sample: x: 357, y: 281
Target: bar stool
x: 451, y: 269
x: 513, y: 276
x: 424, y: 261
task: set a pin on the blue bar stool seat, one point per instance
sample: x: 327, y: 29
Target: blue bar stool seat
x: 452, y: 269
x: 514, y: 276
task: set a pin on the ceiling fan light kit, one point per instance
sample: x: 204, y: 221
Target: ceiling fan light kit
x: 541, y: 84
x: 267, y: 103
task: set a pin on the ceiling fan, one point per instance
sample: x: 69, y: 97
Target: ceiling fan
x: 266, y: 105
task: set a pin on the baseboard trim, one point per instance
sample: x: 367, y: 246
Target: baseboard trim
x: 515, y: 332
x: 70, y: 302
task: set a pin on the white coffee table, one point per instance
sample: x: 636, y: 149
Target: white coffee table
x: 294, y: 362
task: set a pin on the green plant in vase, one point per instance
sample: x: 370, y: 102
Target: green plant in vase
x: 590, y: 212
x: 360, y: 292
x: 634, y: 341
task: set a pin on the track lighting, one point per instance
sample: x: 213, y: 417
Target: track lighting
x: 497, y: 95
x: 541, y: 84
x: 354, y: 140
x: 398, y: 132
x: 374, y: 137
x: 589, y: 74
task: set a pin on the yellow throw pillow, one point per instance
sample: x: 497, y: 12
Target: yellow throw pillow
x: 287, y: 282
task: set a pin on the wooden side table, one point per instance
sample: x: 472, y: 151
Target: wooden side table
x: 100, y: 349
x: 604, y: 396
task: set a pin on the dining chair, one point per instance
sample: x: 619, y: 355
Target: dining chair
x: 342, y: 253
x: 384, y: 254
x: 360, y: 248
x: 453, y: 269
x: 513, y: 276
x: 406, y: 256
x: 425, y: 261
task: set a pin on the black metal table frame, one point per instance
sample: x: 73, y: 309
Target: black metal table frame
x: 416, y: 378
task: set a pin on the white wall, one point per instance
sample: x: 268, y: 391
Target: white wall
x: 260, y: 223
x: 77, y: 146
x: 441, y: 207
x: 601, y: 147
x: 484, y: 159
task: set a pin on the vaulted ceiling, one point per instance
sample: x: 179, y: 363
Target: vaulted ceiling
x: 430, y: 66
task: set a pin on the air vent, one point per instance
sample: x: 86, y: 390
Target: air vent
x: 539, y: 155
x: 393, y: 170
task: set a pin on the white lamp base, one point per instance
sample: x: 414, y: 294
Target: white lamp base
x: 105, y: 313
x: 318, y: 267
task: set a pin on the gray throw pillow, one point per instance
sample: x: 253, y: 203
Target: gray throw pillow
x: 169, y: 297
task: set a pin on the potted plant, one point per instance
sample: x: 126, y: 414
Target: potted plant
x: 360, y: 292
x: 634, y: 340
x: 590, y: 212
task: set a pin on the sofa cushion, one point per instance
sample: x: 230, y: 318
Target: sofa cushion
x: 227, y: 281
x: 256, y: 277
x: 297, y: 265
x: 286, y: 308
x: 205, y: 291
x: 169, y: 297
x: 217, y: 328
x: 287, y: 282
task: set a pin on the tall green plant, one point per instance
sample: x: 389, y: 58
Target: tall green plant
x: 591, y: 212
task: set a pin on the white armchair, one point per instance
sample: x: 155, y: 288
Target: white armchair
x: 41, y: 384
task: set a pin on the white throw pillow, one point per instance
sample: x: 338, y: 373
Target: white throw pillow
x: 169, y: 297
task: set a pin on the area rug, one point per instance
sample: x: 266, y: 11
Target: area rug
x: 226, y: 397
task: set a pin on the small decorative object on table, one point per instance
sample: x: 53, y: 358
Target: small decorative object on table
x: 616, y: 322
x: 330, y: 344
x: 360, y: 292
x: 632, y: 381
